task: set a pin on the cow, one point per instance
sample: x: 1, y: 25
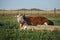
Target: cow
x: 33, y: 20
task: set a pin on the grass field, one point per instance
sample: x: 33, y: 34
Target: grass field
x: 9, y: 30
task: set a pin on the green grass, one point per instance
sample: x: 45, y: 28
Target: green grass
x: 8, y: 22
x: 9, y: 31
x: 55, y: 20
x: 28, y: 35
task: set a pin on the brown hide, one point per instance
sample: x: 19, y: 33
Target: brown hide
x: 34, y: 20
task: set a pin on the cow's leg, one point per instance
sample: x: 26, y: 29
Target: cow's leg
x: 20, y: 25
x: 45, y: 23
x: 25, y: 27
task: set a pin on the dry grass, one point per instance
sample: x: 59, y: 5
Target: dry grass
x: 29, y: 12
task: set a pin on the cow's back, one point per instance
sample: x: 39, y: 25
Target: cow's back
x: 35, y: 20
x: 38, y: 20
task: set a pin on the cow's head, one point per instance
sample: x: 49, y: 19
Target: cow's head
x: 20, y: 21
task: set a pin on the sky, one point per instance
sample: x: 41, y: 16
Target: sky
x: 28, y: 4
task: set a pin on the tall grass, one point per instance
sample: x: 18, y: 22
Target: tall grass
x: 8, y: 22
x: 9, y: 31
x: 28, y: 35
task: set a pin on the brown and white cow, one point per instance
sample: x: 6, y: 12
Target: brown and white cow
x: 33, y: 20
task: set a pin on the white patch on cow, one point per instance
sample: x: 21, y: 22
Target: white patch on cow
x: 45, y: 23
x: 20, y: 18
x: 25, y: 27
